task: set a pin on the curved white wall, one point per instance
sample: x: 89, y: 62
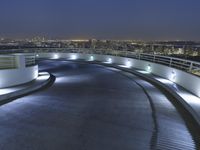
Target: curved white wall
x: 186, y: 80
x: 12, y: 77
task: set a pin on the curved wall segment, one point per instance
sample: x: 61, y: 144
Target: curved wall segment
x: 17, y: 69
x: 186, y: 80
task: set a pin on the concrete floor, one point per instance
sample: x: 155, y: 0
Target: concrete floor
x: 91, y: 107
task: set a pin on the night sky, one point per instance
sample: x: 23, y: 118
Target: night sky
x: 101, y: 19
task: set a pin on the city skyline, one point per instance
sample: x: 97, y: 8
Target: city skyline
x: 119, y: 20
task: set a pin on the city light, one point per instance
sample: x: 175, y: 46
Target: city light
x: 37, y: 55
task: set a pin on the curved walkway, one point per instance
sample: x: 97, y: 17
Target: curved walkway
x: 91, y: 107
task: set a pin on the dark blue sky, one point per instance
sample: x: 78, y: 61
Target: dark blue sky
x: 102, y: 19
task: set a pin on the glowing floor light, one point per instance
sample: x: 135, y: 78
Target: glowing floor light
x: 73, y: 57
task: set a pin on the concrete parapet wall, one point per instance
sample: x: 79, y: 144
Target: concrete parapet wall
x: 23, y: 91
x: 186, y: 80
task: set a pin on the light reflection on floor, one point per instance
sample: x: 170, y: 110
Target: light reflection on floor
x: 124, y: 66
x: 143, y: 72
x: 7, y: 90
x: 192, y: 100
x: 73, y: 79
x: 41, y: 77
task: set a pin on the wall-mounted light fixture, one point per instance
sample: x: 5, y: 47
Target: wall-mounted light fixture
x: 128, y: 63
x: 73, y: 57
x: 173, y: 76
x: 91, y: 58
x: 110, y: 60
x: 55, y: 56
x: 149, y: 69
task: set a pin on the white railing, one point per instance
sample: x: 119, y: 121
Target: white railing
x: 182, y: 64
x: 8, y: 62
